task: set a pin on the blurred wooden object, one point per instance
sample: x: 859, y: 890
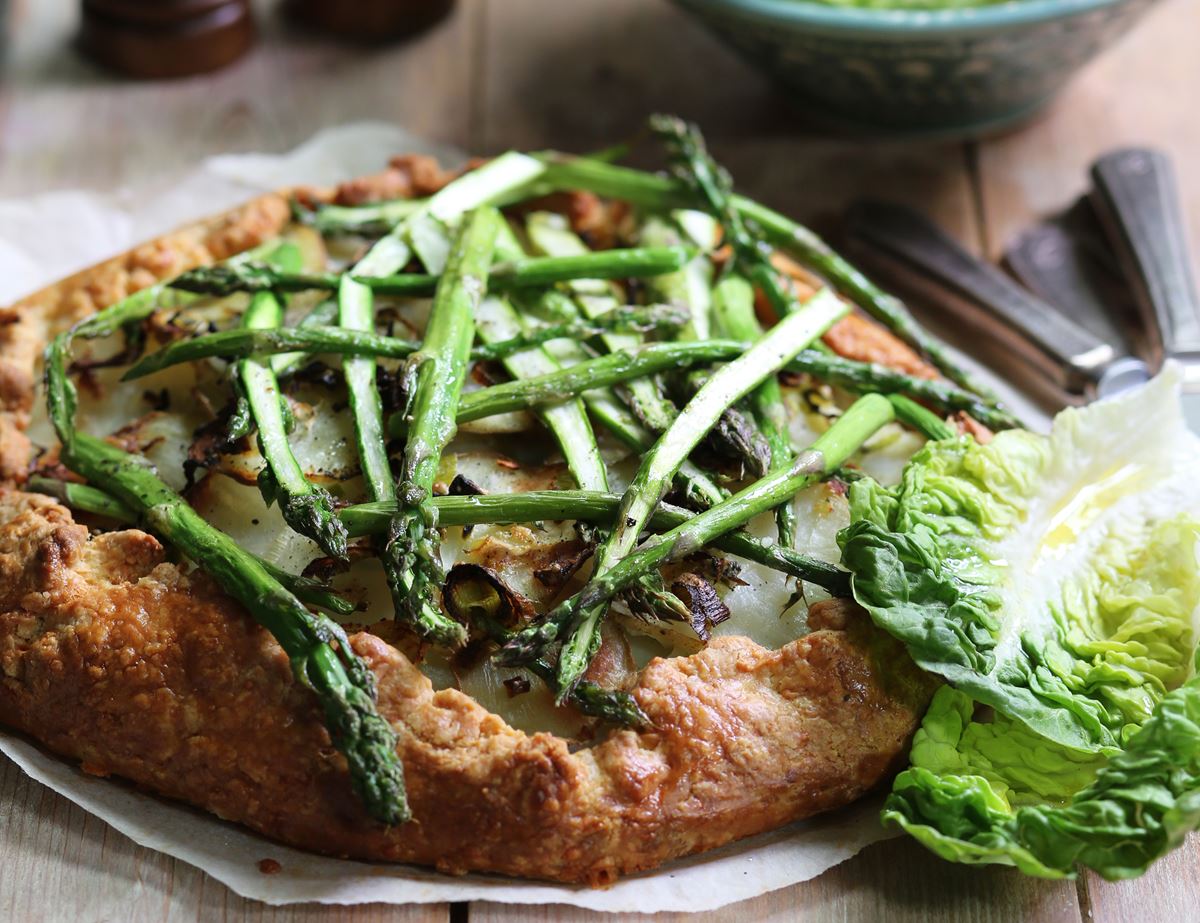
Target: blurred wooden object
x: 154, y: 39
x: 368, y: 20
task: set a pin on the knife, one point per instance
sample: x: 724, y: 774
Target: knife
x: 1072, y: 361
x: 1066, y: 262
x: 1136, y: 199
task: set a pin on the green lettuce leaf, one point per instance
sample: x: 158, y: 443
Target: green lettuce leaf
x: 1053, y: 581
x: 1053, y: 578
x: 1138, y: 805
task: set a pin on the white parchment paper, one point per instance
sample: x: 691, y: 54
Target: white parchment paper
x: 46, y: 237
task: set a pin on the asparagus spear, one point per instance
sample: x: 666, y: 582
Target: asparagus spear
x: 861, y: 377
x: 521, y: 271
x: 356, y: 315
x: 309, y: 338
x: 568, y: 422
x: 376, y: 218
x: 306, y: 507
x: 591, y: 699
x: 406, y: 570
x: 713, y: 186
x: 858, y: 377
x: 342, y: 682
x: 920, y: 418
x: 889, y: 310
x: 509, y: 178
x: 435, y: 377
x: 497, y: 321
x: 735, y: 435
x: 284, y: 365
x: 650, y: 484
x: 825, y: 456
x: 733, y: 306
x: 510, y: 275
x: 92, y: 500
x: 697, y: 488
x: 600, y: 508
x: 83, y: 497
x: 690, y: 284
x: 611, y: 705
x: 253, y: 277
x: 662, y: 193
x: 550, y: 235
x: 534, y: 506
x: 141, y: 304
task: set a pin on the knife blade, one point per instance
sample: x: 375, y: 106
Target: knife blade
x: 1075, y: 363
x: 1136, y: 199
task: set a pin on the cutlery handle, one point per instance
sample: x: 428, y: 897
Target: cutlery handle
x: 1073, y: 358
x: 1138, y: 204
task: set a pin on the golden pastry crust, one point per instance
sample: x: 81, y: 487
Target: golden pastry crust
x: 110, y: 656
x: 27, y: 326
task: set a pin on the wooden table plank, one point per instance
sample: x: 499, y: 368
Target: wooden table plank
x: 891, y: 882
x: 1170, y: 890
x: 58, y: 863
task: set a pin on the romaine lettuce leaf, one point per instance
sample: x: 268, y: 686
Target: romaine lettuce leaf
x: 1138, y: 805
x: 1054, y: 582
x: 1053, y: 578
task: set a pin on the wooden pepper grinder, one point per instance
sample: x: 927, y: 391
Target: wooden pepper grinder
x: 369, y: 21
x: 166, y: 38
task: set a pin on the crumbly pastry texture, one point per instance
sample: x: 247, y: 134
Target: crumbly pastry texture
x: 112, y: 656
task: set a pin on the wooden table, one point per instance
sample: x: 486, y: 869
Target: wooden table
x: 575, y: 74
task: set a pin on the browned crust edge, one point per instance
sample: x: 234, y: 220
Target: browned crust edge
x: 109, y: 656
x: 28, y: 325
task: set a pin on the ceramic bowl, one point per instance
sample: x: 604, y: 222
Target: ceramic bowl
x: 960, y: 71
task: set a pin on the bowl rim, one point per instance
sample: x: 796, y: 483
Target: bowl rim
x: 997, y: 15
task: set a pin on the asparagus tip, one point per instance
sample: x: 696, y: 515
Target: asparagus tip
x: 312, y: 514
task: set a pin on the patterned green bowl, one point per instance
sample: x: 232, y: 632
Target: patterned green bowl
x: 961, y: 71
